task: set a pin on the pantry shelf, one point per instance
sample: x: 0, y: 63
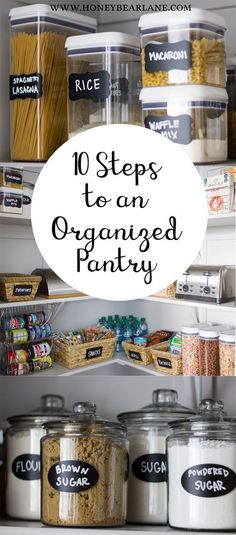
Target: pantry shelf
x: 223, y: 220
x: 227, y: 307
x: 44, y: 301
x: 13, y: 219
x: 13, y: 527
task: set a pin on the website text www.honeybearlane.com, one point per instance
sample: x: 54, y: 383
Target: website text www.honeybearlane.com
x: 80, y: 7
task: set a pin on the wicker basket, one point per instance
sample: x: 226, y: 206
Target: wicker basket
x: 83, y: 354
x: 167, y: 292
x: 18, y: 287
x: 137, y: 354
x: 165, y: 361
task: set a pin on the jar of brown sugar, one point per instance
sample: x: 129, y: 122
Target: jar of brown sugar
x: 85, y: 471
x: 227, y: 353
x: 209, y: 352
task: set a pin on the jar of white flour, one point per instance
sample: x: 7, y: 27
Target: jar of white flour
x: 202, y: 470
x: 147, y: 433
x: 23, y: 457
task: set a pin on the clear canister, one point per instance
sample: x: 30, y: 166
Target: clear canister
x: 103, y: 80
x: 190, y: 350
x: 183, y: 48
x: 85, y: 471
x: 209, y: 352
x: 231, y: 89
x: 227, y: 352
x: 23, y: 458
x: 193, y: 117
x: 202, y: 470
x: 38, y: 91
x: 147, y: 432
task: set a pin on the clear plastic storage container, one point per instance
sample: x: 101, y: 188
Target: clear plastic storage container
x: 23, y: 457
x: 85, y: 471
x: 194, y: 117
x: 10, y: 200
x: 11, y: 177
x: 183, y: 48
x: 202, y: 470
x: 190, y: 350
x: 227, y: 352
x: 103, y: 80
x: 38, y: 90
x: 209, y: 352
x: 147, y: 432
x: 231, y: 89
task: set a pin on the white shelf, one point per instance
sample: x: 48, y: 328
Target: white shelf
x: 226, y: 307
x: 44, y: 301
x: 13, y: 527
x: 222, y: 220
x: 28, y: 166
x: 14, y: 219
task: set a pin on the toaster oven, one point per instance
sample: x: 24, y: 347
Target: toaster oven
x: 214, y: 284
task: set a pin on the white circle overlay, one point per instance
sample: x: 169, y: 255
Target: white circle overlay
x: 162, y: 190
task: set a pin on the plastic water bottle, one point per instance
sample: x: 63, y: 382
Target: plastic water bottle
x: 127, y: 334
x: 137, y: 329
x: 143, y: 326
x: 118, y: 333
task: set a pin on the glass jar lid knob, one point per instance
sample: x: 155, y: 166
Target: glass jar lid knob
x: 211, y: 409
x: 84, y: 407
x: 50, y: 401
x: 164, y: 396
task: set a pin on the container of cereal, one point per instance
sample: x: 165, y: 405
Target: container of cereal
x: 23, y: 457
x: 185, y: 48
x: 227, y: 352
x: 231, y: 89
x: 202, y: 470
x: 85, y: 471
x: 190, y: 350
x: 193, y: 117
x: 103, y: 80
x: 209, y: 352
x: 38, y: 87
x: 147, y: 432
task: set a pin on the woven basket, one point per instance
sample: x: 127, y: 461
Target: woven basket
x: 167, y: 292
x: 18, y: 287
x: 83, y: 354
x: 165, y: 361
x: 137, y: 354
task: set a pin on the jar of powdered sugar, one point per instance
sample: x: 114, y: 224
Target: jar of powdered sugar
x: 202, y: 470
x: 147, y: 433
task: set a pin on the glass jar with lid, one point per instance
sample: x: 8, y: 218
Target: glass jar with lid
x: 202, y: 470
x: 103, y: 80
x: 231, y: 89
x: 147, y: 432
x: 23, y: 457
x: 85, y: 471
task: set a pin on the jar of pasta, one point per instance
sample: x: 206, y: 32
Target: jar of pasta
x: 85, y: 471
x: 231, y: 88
x: 209, y: 352
x: 38, y: 87
x: 103, y: 80
x: 193, y: 117
x: 227, y: 352
x: 185, y: 48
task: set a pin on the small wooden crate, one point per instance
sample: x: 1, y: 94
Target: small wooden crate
x: 18, y: 287
x: 167, y: 292
x: 137, y: 354
x: 165, y: 361
x: 83, y: 354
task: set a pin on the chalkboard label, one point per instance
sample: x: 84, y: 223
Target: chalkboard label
x: 119, y: 90
x: 164, y: 363
x: 94, y: 352
x: 27, y: 467
x: 95, y: 86
x: 178, y: 129
x: 135, y: 355
x: 26, y: 86
x: 13, y: 177
x: 168, y: 56
x: 22, y: 289
x: 208, y: 480
x: 72, y: 476
x: 13, y: 201
x: 26, y: 199
x: 151, y: 468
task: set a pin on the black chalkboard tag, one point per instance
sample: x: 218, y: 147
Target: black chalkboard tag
x: 13, y: 201
x: 119, y: 90
x: 208, y: 480
x: 178, y: 129
x: 151, y: 468
x: 27, y: 467
x: 89, y: 85
x: 135, y: 355
x: 72, y: 476
x: 22, y: 289
x: 94, y: 352
x: 13, y: 177
x: 26, y: 86
x: 168, y: 56
x: 26, y: 199
x: 164, y: 363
